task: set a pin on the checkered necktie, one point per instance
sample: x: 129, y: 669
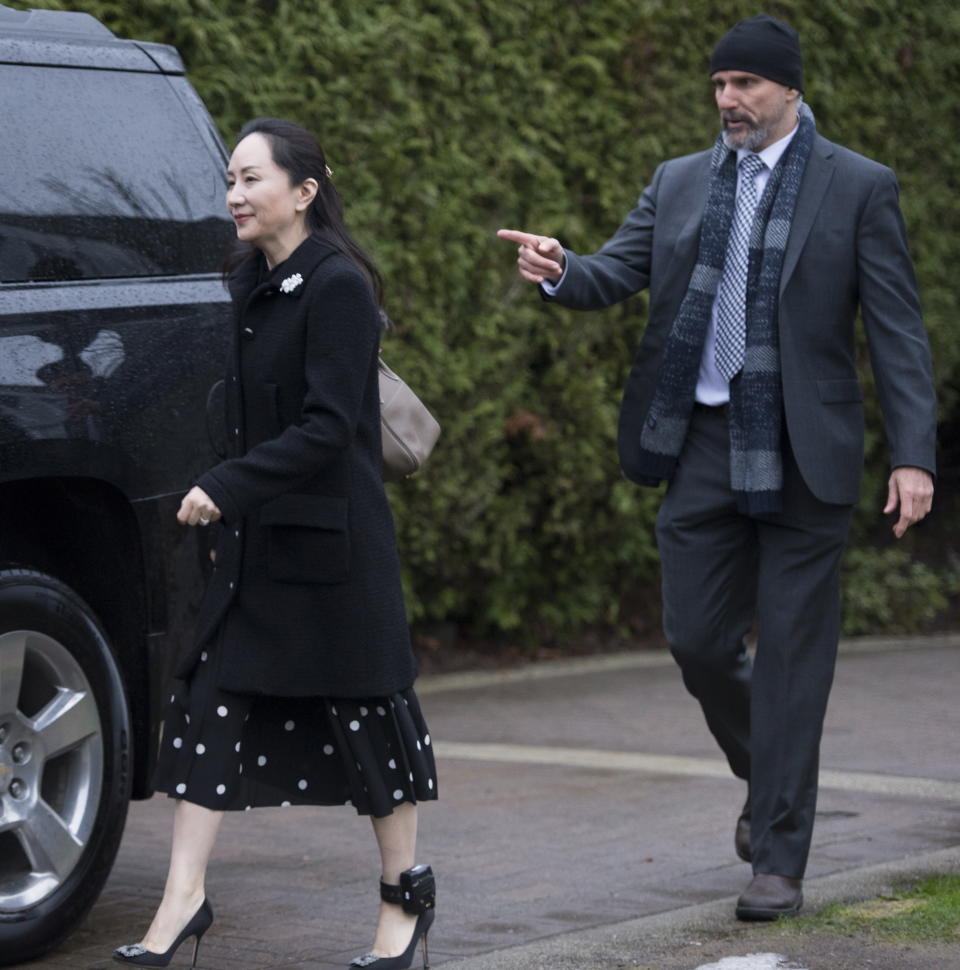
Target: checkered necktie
x: 732, y: 293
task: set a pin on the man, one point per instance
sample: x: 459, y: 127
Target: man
x: 744, y: 397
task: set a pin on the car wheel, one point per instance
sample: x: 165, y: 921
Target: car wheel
x: 64, y: 762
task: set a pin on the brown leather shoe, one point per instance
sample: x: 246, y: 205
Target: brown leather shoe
x: 741, y: 837
x: 769, y: 897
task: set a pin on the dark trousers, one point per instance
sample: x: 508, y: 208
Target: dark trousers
x: 721, y: 570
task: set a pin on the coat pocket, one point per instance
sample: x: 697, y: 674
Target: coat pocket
x: 307, y: 539
x: 845, y: 390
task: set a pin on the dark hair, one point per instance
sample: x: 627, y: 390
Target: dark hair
x: 299, y: 154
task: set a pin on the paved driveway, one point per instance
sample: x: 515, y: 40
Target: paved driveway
x: 573, y: 795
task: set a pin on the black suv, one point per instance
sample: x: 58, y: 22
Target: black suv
x: 113, y: 324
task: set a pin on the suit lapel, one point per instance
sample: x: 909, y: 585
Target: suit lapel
x: 816, y: 178
x: 687, y: 244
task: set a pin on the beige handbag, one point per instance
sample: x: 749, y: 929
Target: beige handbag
x: 408, y: 430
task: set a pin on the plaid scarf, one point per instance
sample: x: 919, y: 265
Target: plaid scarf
x: 756, y: 397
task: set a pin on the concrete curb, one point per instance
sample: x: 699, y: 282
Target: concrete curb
x: 622, y: 944
x: 636, y: 660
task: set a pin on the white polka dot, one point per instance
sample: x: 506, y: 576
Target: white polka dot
x: 262, y: 760
x: 333, y: 710
x: 411, y: 776
x: 398, y: 795
x: 289, y: 726
x: 381, y: 712
x: 405, y: 701
x: 419, y: 748
x: 221, y: 789
x: 363, y: 712
x: 178, y: 742
x: 186, y: 717
x: 203, y: 656
x: 302, y: 784
x: 430, y: 784
x: 181, y: 788
x: 328, y: 749
x: 236, y: 747
x: 222, y: 711
x: 359, y: 768
x: 201, y: 748
x: 391, y: 763
x: 354, y: 725
x: 247, y: 809
x: 426, y: 739
x: 284, y: 804
x: 172, y: 698
x: 348, y: 802
x: 240, y: 770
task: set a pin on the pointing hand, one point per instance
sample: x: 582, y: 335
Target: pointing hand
x: 539, y: 257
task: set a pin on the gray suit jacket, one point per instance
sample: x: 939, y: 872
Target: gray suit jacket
x: 847, y: 248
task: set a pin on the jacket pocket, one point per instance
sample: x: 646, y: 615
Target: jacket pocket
x: 307, y: 539
x: 846, y: 390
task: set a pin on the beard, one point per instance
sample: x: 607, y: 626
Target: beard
x: 756, y: 131
x: 751, y: 138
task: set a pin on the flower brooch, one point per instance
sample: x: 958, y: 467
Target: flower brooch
x: 291, y: 283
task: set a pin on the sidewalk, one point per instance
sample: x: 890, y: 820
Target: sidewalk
x: 705, y: 936
x: 585, y: 820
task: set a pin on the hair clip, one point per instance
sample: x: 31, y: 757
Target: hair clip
x: 329, y: 171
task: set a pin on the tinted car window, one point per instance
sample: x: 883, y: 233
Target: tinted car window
x: 152, y: 206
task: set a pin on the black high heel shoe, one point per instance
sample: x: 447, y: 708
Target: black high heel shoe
x: 138, y: 955
x: 417, y: 895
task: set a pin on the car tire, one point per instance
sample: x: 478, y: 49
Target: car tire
x: 65, y: 770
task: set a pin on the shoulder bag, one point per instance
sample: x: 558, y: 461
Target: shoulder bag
x: 408, y: 430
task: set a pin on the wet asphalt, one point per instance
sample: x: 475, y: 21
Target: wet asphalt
x: 585, y: 820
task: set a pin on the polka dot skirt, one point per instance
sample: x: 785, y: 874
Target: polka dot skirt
x: 237, y: 751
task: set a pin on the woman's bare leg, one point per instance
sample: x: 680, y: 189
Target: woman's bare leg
x: 194, y: 834
x: 397, y: 838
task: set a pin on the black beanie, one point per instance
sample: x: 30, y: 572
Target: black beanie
x: 761, y: 45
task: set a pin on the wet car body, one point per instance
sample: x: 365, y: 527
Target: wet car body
x: 113, y: 329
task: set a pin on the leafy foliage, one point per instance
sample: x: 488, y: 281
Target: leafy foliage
x: 888, y: 591
x: 444, y: 121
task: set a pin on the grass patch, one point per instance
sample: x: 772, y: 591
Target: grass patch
x: 926, y: 913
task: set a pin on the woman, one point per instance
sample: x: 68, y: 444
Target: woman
x: 298, y: 687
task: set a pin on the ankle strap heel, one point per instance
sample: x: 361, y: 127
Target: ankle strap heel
x: 416, y: 894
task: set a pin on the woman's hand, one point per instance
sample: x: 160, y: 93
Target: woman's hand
x: 197, y: 508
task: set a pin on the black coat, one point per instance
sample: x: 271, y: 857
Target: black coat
x: 305, y: 598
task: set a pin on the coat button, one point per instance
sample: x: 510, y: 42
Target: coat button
x: 231, y: 586
x: 248, y: 333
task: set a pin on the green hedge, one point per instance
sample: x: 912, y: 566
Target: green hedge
x: 445, y: 120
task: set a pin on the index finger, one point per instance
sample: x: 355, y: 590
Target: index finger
x: 523, y: 238
x: 907, y: 515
